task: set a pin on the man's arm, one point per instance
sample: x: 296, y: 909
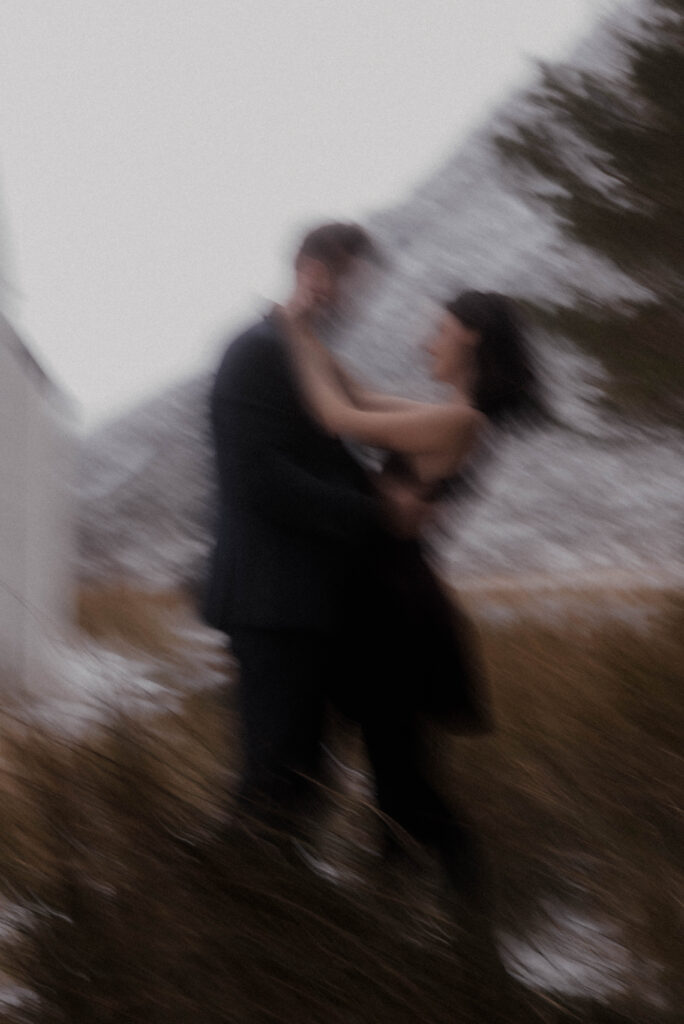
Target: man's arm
x: 280, y: 490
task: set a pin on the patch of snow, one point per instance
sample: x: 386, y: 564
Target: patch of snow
x: 578, y: 955
x: 89, y: 681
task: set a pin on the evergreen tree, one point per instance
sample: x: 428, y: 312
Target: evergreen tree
x: 605, y: 149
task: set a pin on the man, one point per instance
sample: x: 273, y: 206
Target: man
x: 296, y: 514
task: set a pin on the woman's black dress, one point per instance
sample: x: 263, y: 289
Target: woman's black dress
x: 424, y: 650
x: 429, y: 641
x: 416, y: 656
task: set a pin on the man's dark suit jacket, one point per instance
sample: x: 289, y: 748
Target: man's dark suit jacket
x: 295, y: 509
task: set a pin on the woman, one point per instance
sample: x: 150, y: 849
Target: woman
x: 423, y: 657
x: 481, y: 353
x: 479, y: 350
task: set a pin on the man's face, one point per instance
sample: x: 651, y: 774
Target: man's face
x: 353, y: 287
x: 332, y: 293
x: 317, y: 285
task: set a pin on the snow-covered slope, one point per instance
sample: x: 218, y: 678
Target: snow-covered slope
x: 591, y: 492
x: 146, y: 491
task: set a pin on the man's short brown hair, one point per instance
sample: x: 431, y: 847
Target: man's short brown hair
x: 336, y: 245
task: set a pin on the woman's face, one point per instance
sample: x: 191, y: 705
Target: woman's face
x: 450, y: 347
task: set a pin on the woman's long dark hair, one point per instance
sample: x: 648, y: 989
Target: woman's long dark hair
x: 507, y: 386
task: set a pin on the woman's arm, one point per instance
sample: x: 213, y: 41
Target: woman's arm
x: 369, y: 399
x: 424, y: 429
x: 363, y: 397
x: 414, y: 428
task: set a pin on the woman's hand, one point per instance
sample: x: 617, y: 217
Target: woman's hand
x: 407, y: 512
x: 322, y: 385
x: 440, y: 435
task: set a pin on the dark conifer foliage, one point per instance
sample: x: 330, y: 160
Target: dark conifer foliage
x: 604, y: 149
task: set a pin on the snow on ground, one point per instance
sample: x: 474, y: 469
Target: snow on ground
x: 12, y: 919
x: 575, y: 954
x: 91, y: 680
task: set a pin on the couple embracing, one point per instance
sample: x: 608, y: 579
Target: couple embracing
x: 318, y: 575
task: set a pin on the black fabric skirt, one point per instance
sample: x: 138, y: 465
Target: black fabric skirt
x: 411, y: 645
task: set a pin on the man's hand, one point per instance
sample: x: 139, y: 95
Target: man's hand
x: 407, y: 511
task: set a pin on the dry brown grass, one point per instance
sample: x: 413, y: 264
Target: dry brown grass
x: 123, y: 615
x: 140, y: 909
x: 580, y: 791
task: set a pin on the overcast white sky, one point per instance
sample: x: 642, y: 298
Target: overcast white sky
x: 157, y: 156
